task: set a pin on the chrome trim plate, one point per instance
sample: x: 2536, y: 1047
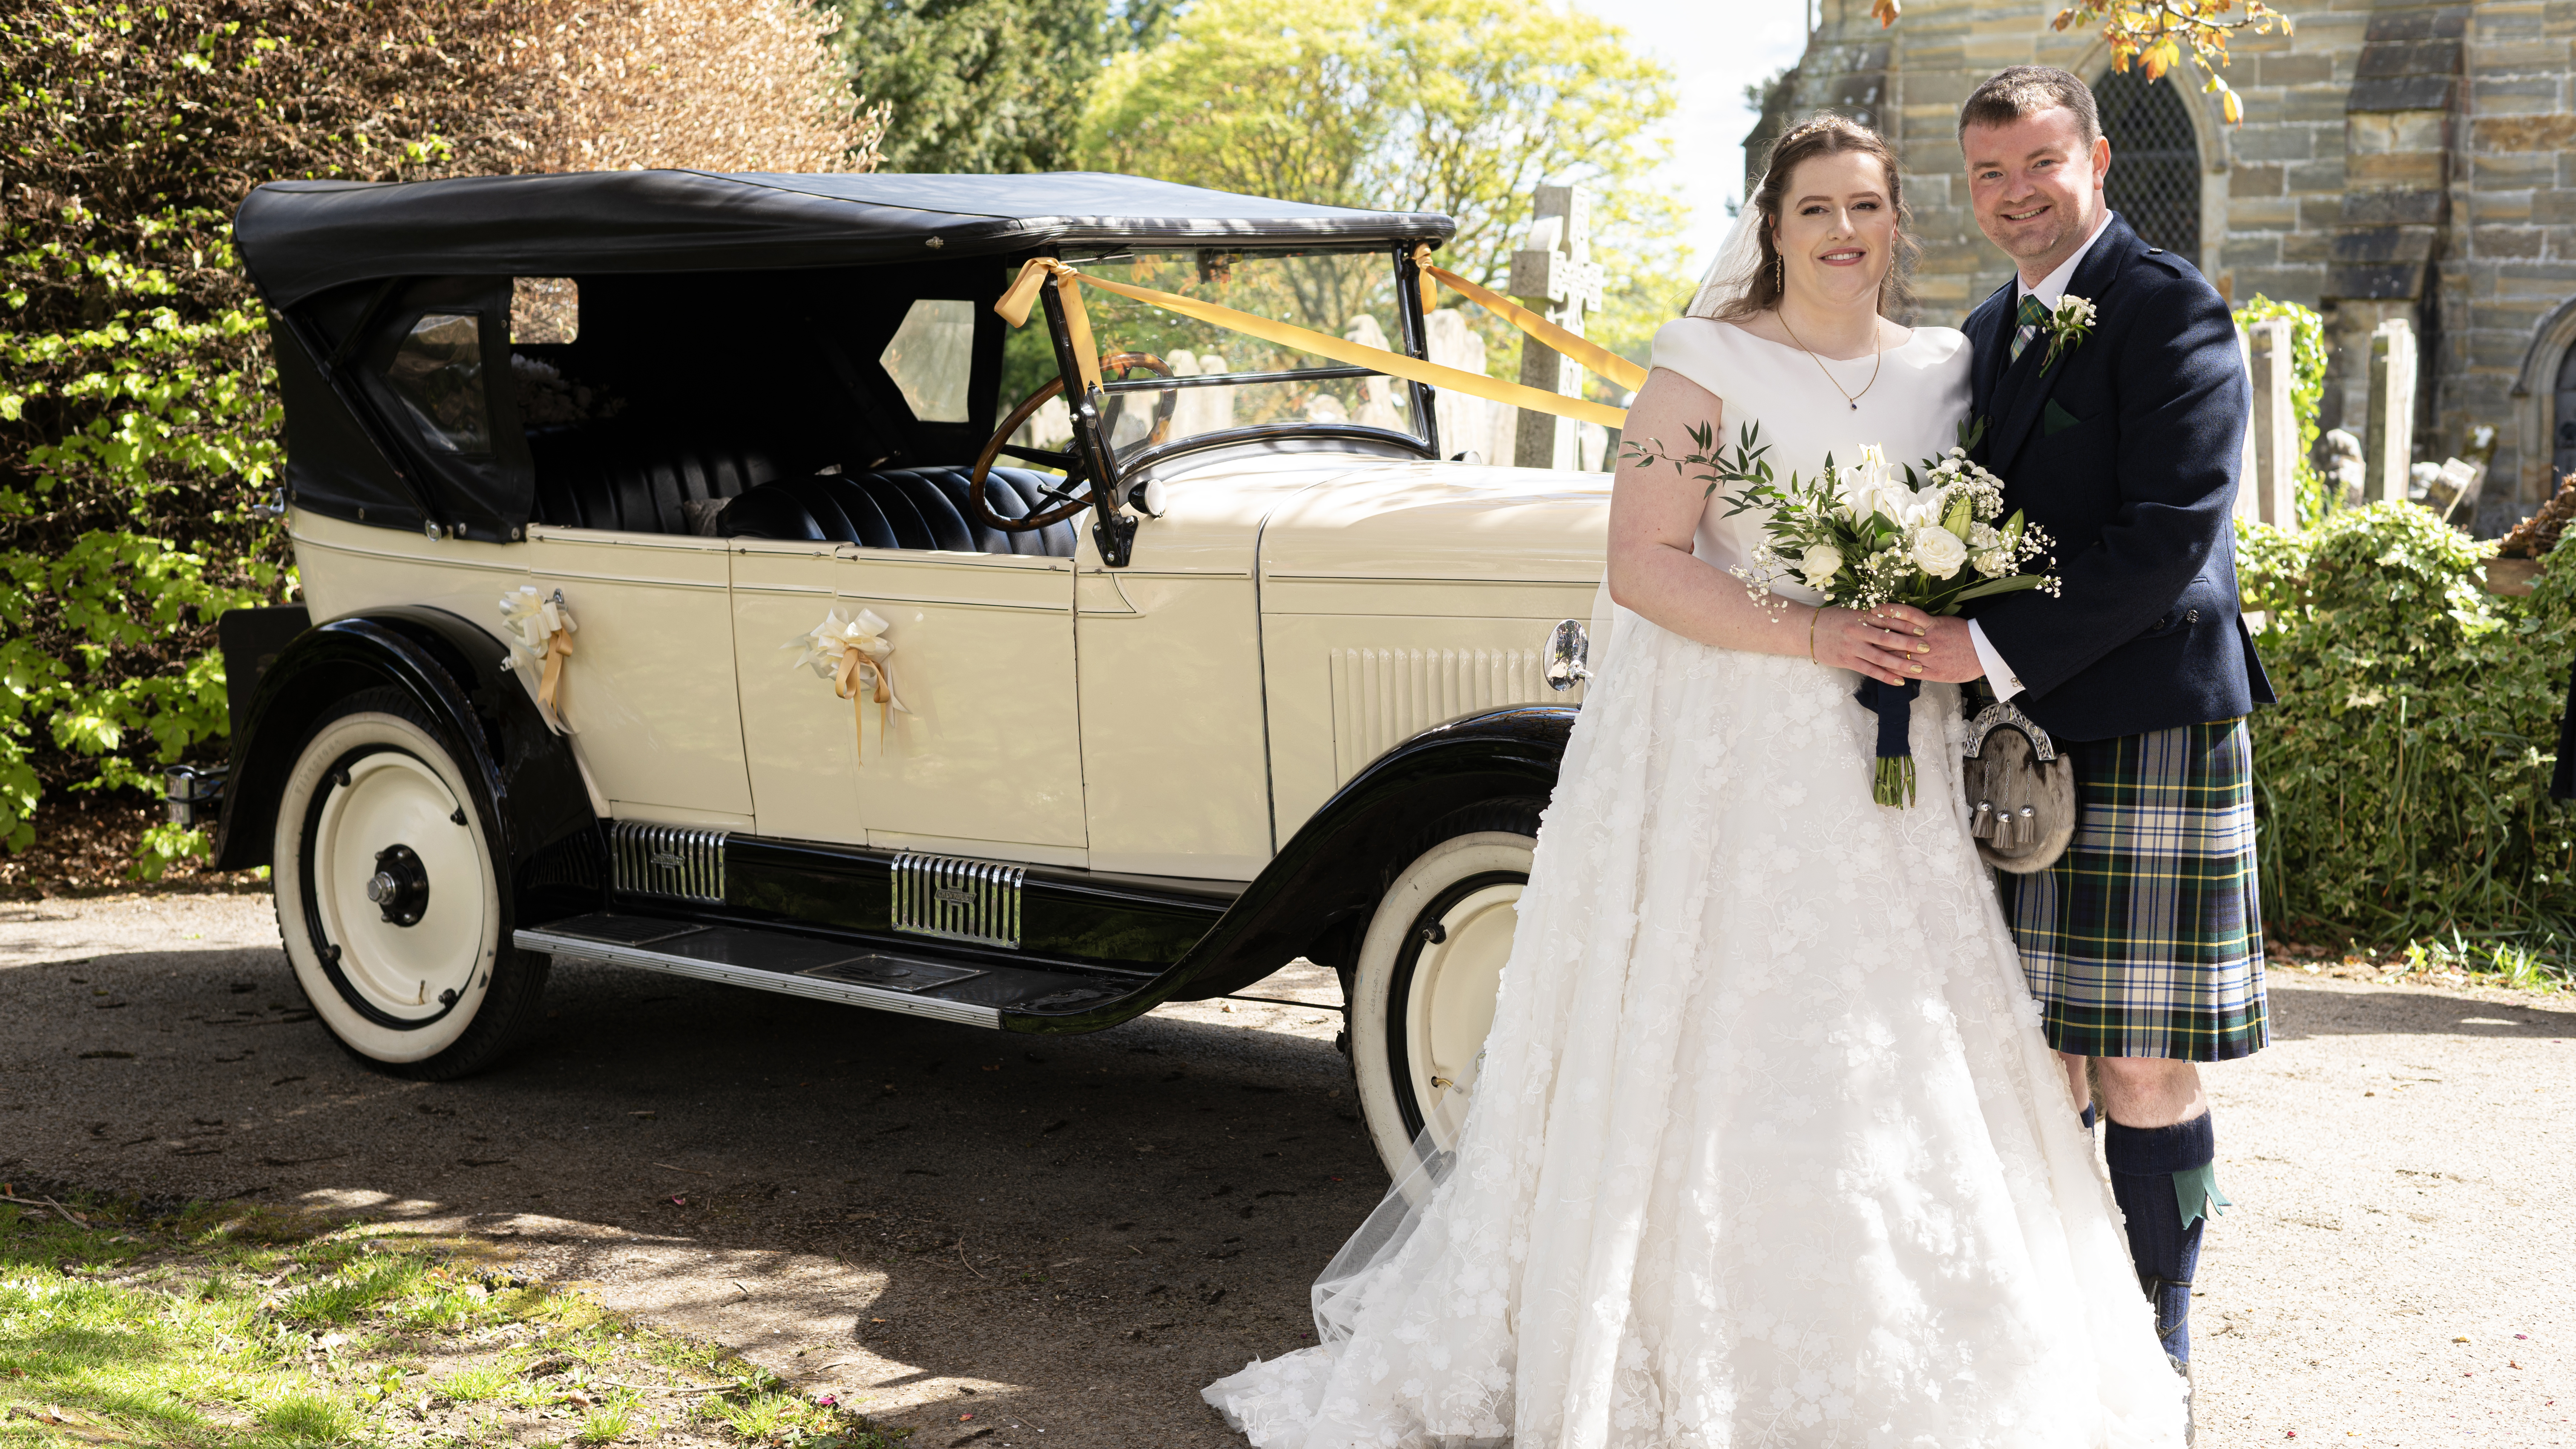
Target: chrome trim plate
x: 668, y: 860
x: 956, y: 899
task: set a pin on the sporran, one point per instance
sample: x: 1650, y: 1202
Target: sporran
x: 2021, y: 791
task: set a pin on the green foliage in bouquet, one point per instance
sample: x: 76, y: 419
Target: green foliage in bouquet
x: 2403, y: 779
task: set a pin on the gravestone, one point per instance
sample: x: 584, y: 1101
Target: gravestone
x: 2388, y: 440
x: 2274, y: 422
x: 1554, y: 275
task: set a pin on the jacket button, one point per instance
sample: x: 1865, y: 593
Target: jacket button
x: 2191, y: 616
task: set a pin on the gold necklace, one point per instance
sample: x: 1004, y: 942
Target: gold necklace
x: 1877, y: 358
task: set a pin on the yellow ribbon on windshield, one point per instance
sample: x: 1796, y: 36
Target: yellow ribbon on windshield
x: 1584, y: 350
x: 1023, y: 294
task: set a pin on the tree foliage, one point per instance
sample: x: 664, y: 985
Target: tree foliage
x: 138, y: 415
x: 2155, y: 35
x: 1455, y: 106
x: 982, y: 85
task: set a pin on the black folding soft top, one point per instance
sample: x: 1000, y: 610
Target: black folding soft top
x: 304, y: 237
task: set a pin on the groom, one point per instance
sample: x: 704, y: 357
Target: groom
x: 2143, y: 943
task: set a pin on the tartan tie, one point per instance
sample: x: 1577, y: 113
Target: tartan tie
x: 2027, y: 320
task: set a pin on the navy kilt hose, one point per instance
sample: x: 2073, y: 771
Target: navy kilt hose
x: 2145, y: 939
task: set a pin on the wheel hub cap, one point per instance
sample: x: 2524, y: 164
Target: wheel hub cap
x: 400, y: 886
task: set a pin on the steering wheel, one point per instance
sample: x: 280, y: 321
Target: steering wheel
x: 1064, y: 504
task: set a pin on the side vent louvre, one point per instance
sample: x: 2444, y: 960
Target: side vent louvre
x: 956, y: 899
x: 1383, y: 697
x: 668, y: 860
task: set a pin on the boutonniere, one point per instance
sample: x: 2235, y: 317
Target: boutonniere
x: 2066, y: 327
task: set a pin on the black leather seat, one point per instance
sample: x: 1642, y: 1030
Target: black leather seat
x: 635, y: 479
x: 912, y: 508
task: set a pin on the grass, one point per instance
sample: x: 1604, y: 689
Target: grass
x: 248, y: 1329
x: 2455, y: 959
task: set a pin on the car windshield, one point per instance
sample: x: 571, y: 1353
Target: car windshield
x: 1346, y: 294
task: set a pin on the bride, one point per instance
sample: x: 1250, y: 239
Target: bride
x: 1767, y: 1147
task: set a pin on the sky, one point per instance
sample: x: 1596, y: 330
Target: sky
x: 1714, y: 48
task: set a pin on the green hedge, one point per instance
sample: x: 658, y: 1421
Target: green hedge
x: 2403, y: 778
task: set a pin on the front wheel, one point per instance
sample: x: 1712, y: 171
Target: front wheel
x: 388, y: 897
x: 1423, y: 986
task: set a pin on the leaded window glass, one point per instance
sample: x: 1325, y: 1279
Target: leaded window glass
x: 2155, y: 160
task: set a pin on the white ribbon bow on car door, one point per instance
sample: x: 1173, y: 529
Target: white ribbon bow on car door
x: 852, y: 654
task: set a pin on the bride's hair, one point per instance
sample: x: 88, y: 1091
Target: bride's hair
x: 1823, y: 135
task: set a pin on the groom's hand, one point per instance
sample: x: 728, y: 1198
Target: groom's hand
x: 1940, y: 647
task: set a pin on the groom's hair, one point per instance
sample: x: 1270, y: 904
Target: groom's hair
x: 2026, y: 90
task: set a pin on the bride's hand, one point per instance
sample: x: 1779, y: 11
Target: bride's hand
x: 1884, y: 646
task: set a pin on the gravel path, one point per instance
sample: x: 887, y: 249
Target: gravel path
x: 971, y: 1231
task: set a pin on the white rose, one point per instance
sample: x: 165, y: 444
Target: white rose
x: 1820, y: 563
x: 1993, y: 564
x: 1938, y: 551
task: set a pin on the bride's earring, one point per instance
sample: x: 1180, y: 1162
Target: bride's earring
x: 1780, y: 274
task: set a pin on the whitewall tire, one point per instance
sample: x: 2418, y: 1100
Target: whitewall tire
x: 388, y: 896
x: 1422, y: 988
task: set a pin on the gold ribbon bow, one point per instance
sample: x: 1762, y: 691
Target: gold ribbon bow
x: 543, y: 625
x: 1023, y: 294
x: 852, y: 654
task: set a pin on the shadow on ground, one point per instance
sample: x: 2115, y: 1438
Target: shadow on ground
x: 1063, y: 1233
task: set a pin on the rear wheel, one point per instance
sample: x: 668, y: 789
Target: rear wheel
x: 388, y: 896
x: 1422, y: 988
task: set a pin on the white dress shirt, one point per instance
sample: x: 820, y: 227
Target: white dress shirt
x: 2050, y: 291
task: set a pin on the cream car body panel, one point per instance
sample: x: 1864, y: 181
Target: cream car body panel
x: 347, y: 568
x: 799, y: 738
x: 652, y: 661
x: 983, y: 659
x: 1411, y: 594
x: 651, y: 672
x: 1175, y: 759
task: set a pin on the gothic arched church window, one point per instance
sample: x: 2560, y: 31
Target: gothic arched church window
x: 2562, y: 436
x: 2155, y: 160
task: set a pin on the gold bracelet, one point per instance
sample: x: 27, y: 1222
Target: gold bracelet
x: 1811, y: 634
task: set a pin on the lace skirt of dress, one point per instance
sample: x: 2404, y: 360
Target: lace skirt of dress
x: 1766, y: 1148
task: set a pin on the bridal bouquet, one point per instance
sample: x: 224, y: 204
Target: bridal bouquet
x: 1866, y: 538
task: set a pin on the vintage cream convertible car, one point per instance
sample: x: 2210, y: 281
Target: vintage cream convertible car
x: 662, y: 608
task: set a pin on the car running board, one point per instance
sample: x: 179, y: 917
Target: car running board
x: 857, y: 974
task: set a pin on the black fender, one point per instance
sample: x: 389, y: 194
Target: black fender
x: 551, y: 852
x: 1332, y: 872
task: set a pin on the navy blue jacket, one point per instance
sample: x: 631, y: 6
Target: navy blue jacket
x: 2127, y: 451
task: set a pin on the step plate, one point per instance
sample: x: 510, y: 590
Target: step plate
x: 894, y: 973
x: 775, y: 961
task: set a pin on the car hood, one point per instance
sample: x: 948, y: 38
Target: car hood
x: 1443, y: 521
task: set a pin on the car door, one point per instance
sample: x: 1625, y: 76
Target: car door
x: 799, y: 738
x: 985, y: 759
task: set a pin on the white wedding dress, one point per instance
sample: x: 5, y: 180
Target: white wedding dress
x: 1766, y: 1148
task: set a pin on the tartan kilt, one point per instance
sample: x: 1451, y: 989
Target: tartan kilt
x: 2145, y: 939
